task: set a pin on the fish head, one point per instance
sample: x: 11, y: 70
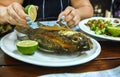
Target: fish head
x: 79, y: 40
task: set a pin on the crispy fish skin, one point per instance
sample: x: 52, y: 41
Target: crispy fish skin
x: 58, y: 39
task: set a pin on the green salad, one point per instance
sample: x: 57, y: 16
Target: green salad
x: 102, y: 27
x: 5, y: 28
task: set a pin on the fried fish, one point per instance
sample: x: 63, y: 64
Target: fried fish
x: 57, y: 39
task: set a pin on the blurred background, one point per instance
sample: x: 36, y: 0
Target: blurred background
x: 106, y: 8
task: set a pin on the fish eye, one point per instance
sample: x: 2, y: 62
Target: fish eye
x: 75, y: 40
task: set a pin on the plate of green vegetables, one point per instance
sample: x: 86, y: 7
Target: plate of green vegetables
x: 101, y: 27
x: 5, y: 28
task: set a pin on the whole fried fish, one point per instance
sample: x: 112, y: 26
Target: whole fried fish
x: 58, y: 39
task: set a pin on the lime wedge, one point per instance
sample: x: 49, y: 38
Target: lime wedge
x: 31, y: 11
x: 114, y: 31
x: 27, y: 47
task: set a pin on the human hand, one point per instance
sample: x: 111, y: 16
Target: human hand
x: 72, y: 16
x: 15, y: 14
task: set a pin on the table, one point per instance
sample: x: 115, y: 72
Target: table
x: 108, y: 58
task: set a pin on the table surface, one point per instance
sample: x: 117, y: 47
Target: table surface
x: 108, y: 58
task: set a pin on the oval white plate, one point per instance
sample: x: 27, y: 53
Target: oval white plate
x: 87, y: 30
x: 8, y: 45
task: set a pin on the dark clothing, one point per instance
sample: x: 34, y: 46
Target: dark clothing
x: 116, y: 8
x: 48, y: 9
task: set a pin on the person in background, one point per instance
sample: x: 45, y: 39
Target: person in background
x: 12, y: 11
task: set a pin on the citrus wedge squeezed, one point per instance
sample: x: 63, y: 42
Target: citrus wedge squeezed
x: 27, y: 47
x: 31, y: 11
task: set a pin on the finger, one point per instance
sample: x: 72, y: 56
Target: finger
x: 19, y: 11
x: 65, y: 12
x: 75, y: 21
x: 68, y: 10
x: 70, y: 23
x: 37, y: 7
x: 60, y: 15
x: 70, y: 15
x: 15, y: 16
x: 11, y: 21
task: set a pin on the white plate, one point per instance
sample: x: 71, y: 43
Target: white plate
x: 87, y: 30
x: 8, y: 45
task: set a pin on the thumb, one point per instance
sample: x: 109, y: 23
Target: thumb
x: 37, y: 7
x: 60, y: 16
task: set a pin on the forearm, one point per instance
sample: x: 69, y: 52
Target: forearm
x: 3, y: 13
x: 84, y: 7
x: 8, y: 2
x: 3, y: 9
x: 85, y: 12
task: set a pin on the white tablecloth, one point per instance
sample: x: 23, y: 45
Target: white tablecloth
x: 115, y: 72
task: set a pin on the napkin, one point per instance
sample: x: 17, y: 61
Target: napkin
x: 115, y: 72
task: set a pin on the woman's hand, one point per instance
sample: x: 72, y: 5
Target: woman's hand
x: 14, y: 14
x: 72, y: 16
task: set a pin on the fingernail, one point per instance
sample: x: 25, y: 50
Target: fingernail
x: 63, y: 17
x: 28, y: 18
x: 29, y: 23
